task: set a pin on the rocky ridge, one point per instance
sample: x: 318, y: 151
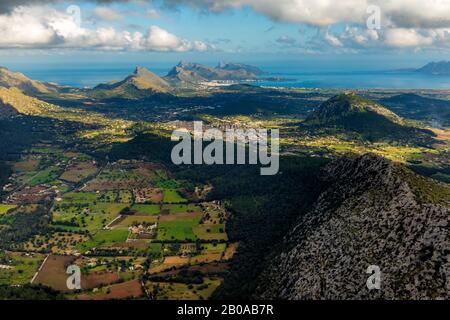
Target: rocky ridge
x: 373, y: 212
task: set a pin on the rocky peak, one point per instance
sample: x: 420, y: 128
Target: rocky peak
x: 370, y: 213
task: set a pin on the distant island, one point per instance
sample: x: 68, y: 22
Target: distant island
x: 440, y: 68
x: 195, y: 72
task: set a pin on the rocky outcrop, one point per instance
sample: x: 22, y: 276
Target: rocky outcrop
x: 187, y: 72
x: 369, y: 214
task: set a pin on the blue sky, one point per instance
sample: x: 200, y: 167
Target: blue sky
x: 328, y: 34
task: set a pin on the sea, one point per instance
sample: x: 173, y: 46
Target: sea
x: 278, y: 74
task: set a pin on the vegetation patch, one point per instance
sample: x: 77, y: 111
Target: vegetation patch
x: 18, y: 268
x: 4, y: 208
x: 172, y: 196
x: 149, y: 209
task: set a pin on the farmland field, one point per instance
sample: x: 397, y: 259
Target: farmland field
x: 181, y: 208
x: 45, y: 176
x: 172, y: 196
x: 92, y: 217
x: 178, y: 291
x: 27, y: 165
x: 21, y: 269
x: 53, y: 272
x: 126, y: 290
x: 79, y: 171
x: 151, y: 209
x: 105, y: 238
x: 210, y: 232
x: 180, y: 229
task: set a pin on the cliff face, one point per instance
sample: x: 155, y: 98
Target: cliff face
x: 373, y: 212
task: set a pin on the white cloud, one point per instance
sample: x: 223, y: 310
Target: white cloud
x: 404, y: 23
x: 401, y: 37
x: 24, y: 28
x: 359, y: 38
x: 402, y: 13
x: 43, y: 27
x: 107, y: 14
x: 333, y: 40
x: 158, y: 39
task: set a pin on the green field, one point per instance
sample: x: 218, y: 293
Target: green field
x: 45, y: 176
x: 167, y: 184
x: 108, y: 196
x: 210, y: 232
x: 120, y: 196
x: 104, y: 238
x: 4, y: 208
x: 80, y: 197
x: 214, y: 246
x: 172, y: 196
x: 125, y: 196
x: 179, y: 291
x: 23, y: 269
x: 155, y: 247
x: 181, y: 208
x: 151, y: 209
x: 180, y: 229
x: 99, y: 215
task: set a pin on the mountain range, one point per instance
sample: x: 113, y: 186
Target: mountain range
x: 144, y: 83
x: 436, y: 68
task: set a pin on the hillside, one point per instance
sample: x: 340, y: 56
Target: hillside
x: 13, y: 101
x: 241, y: 68
x: 371, y: 212
x: 350, y: 112
x: 6, y: 110
x: 180, y: 73
x: 195, y: 72
x: 9, y: 79
x: 140, y: 84
x: 414, y: 106
x: 346, y: 105
x: 436, y: 68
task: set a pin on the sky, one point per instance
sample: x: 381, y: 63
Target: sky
x: 371, y: 33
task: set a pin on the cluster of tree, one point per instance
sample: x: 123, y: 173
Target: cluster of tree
x: 24, y: 226
x: 29, y: 292
x: 183, y: 276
